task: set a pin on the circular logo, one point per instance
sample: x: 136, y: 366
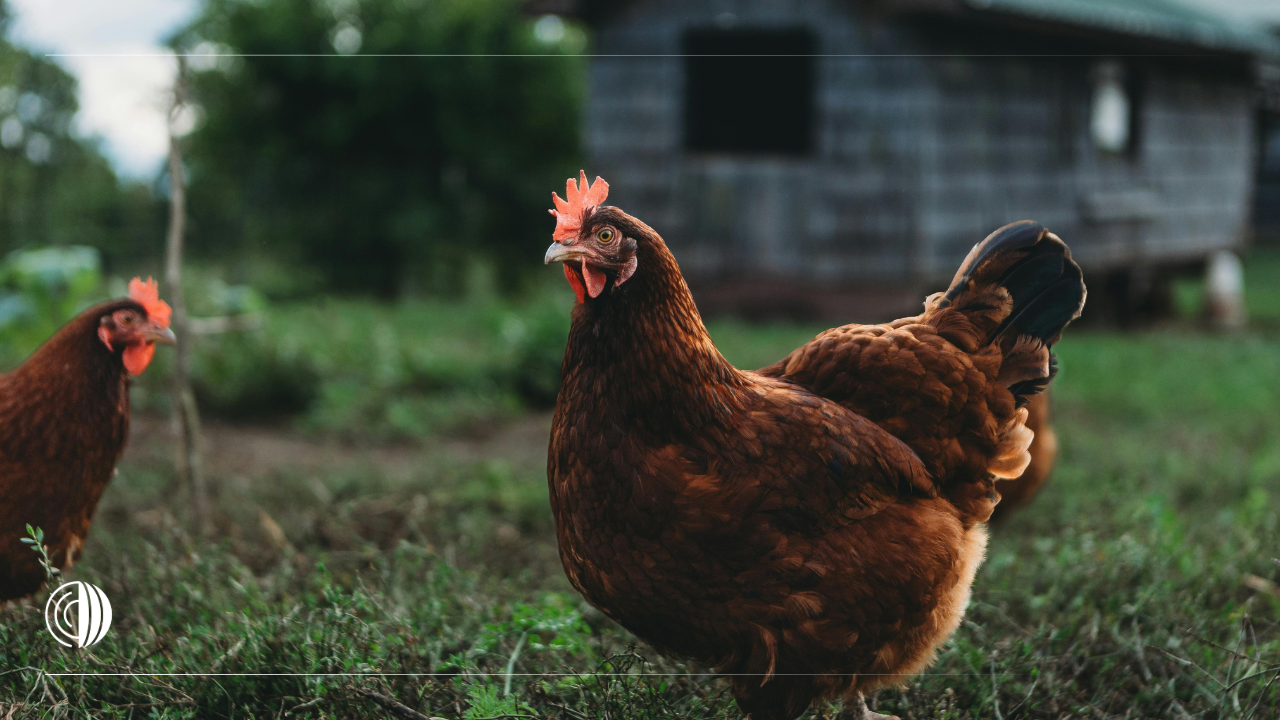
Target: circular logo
x: 77, y: 614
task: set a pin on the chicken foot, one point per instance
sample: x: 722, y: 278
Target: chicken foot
x: 858, y: 710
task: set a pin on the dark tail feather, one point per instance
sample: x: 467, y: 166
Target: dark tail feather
x: 1022, y: 391
x: 1035, y: 267
x: 989, y: 258
x: 1018, y: 288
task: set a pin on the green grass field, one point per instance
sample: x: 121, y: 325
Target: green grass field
x: 408, y: 553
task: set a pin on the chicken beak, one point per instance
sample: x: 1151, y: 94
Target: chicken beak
x: 562, y: 253
x: 162, y: 335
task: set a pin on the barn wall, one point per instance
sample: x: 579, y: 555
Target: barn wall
x: 917, y: 158
x: 1199, y: 158
x: 845, y: 213
x: 999, y: 148
x: 1011, y: 141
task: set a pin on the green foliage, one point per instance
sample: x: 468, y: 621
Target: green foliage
x: 367, y: 370
x: 244, y: 373
x: 385, y: 173
x: 250, y: 375
x: 552, y: 625
x: 39, y: 291
x: 35, y: 540
x: 487, y: 701
x: 1262, y: 285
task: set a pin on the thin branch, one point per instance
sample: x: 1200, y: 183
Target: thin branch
x: 187, y: 418
x: 395, y: 707
x: 1185, y: 662
x: 1250, y: 676
x: 313, y: 701
x: 1207, y: 641
x: 138, y: 706
x: 995, y: 692
x: 1262, y: 695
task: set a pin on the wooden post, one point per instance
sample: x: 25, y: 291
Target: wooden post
x: 186, y: 414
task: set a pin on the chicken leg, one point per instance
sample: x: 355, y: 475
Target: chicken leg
x: 858, y: 710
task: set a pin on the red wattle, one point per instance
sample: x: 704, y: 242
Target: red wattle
x: 594, y: 278
x: 575, y: 283
x: 138, y: 357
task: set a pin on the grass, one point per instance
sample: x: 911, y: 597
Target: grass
x: 366, y: 371
x: 1134, y: 587
x: 1261, y: 288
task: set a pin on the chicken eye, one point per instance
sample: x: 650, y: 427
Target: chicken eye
x: 606, y: 235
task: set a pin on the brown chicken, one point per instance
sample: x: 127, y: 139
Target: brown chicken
x: 810, y: 530
x: 1020, y: 491
x: 64, y: 418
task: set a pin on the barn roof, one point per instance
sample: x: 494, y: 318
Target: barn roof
x: 1166, y: 20
x: 1161, y: 19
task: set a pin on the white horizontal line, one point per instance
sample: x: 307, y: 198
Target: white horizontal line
x: 517, y: 674
x: 619, y: 55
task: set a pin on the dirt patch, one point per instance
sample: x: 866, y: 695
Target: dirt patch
x: 261, y: 451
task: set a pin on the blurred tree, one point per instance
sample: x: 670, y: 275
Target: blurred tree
x: 56, y: 189
x: 384, y: 173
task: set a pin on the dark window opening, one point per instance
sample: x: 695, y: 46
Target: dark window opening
x: 1266, y: 199
x: 749, y: 91
x: 1270, y: 170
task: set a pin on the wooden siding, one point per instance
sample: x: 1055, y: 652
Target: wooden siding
x: 1011, y: 141
x: 916, y: 159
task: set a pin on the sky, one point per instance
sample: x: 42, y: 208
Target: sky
x: 122, y: 99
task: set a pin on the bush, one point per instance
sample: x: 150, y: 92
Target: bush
x: 362, y: 369
x: 247, y: 375
x: 39, y: 291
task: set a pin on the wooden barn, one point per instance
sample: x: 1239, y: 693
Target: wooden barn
x: 838, y: 158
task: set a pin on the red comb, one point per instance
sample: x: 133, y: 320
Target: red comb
x: 581, y: 198
x: 147, y: 294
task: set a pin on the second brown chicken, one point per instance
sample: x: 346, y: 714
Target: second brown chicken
x: 1020, y: 491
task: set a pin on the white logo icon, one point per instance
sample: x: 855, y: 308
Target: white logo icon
x: 78, y: 614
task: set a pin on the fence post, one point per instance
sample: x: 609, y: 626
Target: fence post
x: 186, y: 415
